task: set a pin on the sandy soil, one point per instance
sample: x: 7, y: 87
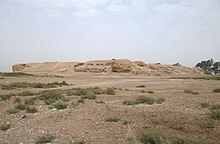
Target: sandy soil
x: 87, y: 121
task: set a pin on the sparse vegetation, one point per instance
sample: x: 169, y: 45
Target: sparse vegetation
x: 217, y: 90
x: 26, y: 93
x: 30, y: 85
x: 191, y: 92
x: 110, y: 91
x: 187, y: 140
x: 45, y: 139
x: 59, y: 106
x: 215, y: 107
x: 50, y: 95
x: 112, y: 119
x: 15, y: 74
x: 89, y: 95
x: 81, y: 101
x: 5, y: 97
x: 30, y: 101
x: 100, y: 102
x: 49, y: 101
x: 143, y: 100
x: 5, y: 127
x: 178, y: 126
x: 20, y: 106
x: 160, y: 100
x: 197, y: 78
x: 215, y: 114
x: 12, y: 111
x: 208, y: 125
x: 204, y: 105
x: 31, y: 110
x: 143, y: 91
x: 78, y: 142
x: 153, y: 137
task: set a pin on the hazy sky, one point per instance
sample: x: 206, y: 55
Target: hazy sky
x: 166, y: 31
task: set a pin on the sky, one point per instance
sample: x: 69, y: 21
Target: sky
x: 165, y: 31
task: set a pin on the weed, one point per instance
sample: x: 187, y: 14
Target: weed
x: 5, y: 127
x: 126, y: 122
x: 128, y: 102
x: 204, y: 105
x: 31, y: 110
x: 112, y: 119
x: 20, y: 106
x: 215, y: 114
x: 217, y: 90
x: 59, y: 106
x: 160, y: 100
x: 153, y: 137
x: 45, y: 139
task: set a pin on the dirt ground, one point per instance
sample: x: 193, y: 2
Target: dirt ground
x: 88, y: 121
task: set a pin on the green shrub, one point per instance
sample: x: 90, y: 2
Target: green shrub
x: 30, y: 101
x: 59, y: 106
x: 160, y: 100
x: 31, y: 110
x: 110, y: 91
x: 204, y: 105
x: 20, y: 106
x: 153, y: 137
x: 45, y: 139
x: 215, y: 107
x: 143, y: 91
x: 50, y: 95
x: 5, y: 127
x: 89, y: 95
x: 128, y: 102
x: 26, y: 93
x: 187, y: 140
x: 144, y: 100
x: 215, y: 115
x: 217, y: 90
x: 112, y: 119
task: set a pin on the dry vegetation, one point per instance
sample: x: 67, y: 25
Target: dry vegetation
x: 147, y: 110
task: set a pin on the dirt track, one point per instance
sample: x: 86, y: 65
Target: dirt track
x: 87, y: 121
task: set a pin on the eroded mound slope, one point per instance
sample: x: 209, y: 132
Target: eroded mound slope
x: 107, y: 66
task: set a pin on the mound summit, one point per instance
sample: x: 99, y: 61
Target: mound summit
x: 107, y: 66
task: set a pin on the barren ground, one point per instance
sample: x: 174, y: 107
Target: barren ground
x: 87, y: 121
